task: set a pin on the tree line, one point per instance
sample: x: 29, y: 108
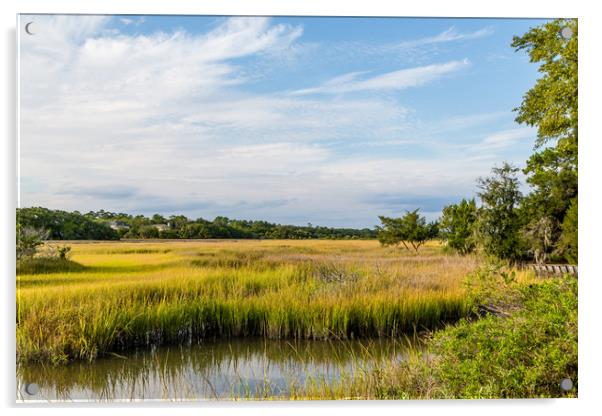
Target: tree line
x: 105, y: 225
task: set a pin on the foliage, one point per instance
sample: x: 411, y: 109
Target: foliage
x: 552, y: 106
x: 410, y: 229
x: 28, y: 240
x: 569, y: 237
x: 62, y: 225
x: 97, y: 226
x: 522, y: 354
x: 493, y: 288
x: 538, y: 235
x: 457, y: 226
x: 499, y: 222
x: 63, y: 252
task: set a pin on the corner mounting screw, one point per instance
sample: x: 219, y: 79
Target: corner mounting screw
x: 566, y: 384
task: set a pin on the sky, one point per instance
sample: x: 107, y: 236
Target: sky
x: 295, y: 120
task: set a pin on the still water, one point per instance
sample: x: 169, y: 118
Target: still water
x: 240, y: 368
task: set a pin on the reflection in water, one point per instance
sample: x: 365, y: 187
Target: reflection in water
x: 244, y: 368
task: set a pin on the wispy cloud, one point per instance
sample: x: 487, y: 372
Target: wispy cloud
x: 129, y: 21
x: 449, y: 35
x: 505, y: 138
x: 396, y: 80
x: 172, y: 121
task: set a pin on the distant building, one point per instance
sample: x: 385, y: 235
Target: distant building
x: 161, y: 227
x: 119, y: 225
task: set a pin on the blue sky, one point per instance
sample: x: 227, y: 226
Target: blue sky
x: 332, y: 121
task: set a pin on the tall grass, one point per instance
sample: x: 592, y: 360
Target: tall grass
x: 125, y: 295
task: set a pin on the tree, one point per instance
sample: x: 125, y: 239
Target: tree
x: 499, y: 223
x: 458, y: 226
x: 62, y: 225
x: 409, y: 230
x: 569, y: 237
x: 538, y: 236
x: 552, y: 106
x: 28, y: 240
x: 158, y: 219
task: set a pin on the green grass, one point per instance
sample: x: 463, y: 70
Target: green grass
x: 158, y: 293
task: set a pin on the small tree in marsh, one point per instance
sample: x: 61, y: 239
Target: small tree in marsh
x: 458, y: 226
x: 499, y: 222
x: 409, y: 230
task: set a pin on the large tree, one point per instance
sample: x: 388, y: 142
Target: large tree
x: 551, y: 106
x: 499, y: 220
x: 457, y: 226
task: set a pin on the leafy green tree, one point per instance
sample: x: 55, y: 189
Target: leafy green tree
x: 458, y: 226
x: 552, y: 107
x: 158, y: 219
x: 178, y: 221
x: 409, y: 230
x: 149, y: 232
x: 499, y: 221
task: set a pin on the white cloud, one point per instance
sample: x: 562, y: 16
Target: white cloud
x: 448, y: 35
x: 395, y: 80
x: 136, y: 122
x: 506, y: 138
x: 129, y: 21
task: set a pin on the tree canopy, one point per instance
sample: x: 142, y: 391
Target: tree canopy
x: 499, y: 222
x: 409, y: 230
x: 552, y: 107
x: 457, y: 226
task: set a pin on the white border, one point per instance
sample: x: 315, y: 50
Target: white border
x: 590, y: 230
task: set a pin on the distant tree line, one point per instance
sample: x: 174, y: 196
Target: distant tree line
x: 63, y: 225
x: 104, y: 225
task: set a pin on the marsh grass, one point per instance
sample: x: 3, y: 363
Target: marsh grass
x: 179, y: 292
x: 249, y: 368
x: 41, y: 265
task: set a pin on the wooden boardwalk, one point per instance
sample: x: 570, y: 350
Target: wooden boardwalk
x: 548, y: 270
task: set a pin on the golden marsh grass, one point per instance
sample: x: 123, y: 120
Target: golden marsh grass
x: 121, y: 295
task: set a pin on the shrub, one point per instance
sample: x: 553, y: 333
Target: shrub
x: 28, y: 241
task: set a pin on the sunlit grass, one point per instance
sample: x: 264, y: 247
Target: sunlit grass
x: 128, y: 294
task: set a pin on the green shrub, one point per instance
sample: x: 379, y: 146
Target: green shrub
x: 524, y: 355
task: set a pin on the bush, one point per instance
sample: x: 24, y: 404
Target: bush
x: 524, y: 352
x: 524, y: 355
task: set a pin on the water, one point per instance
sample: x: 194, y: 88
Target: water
x: 242, y: 368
